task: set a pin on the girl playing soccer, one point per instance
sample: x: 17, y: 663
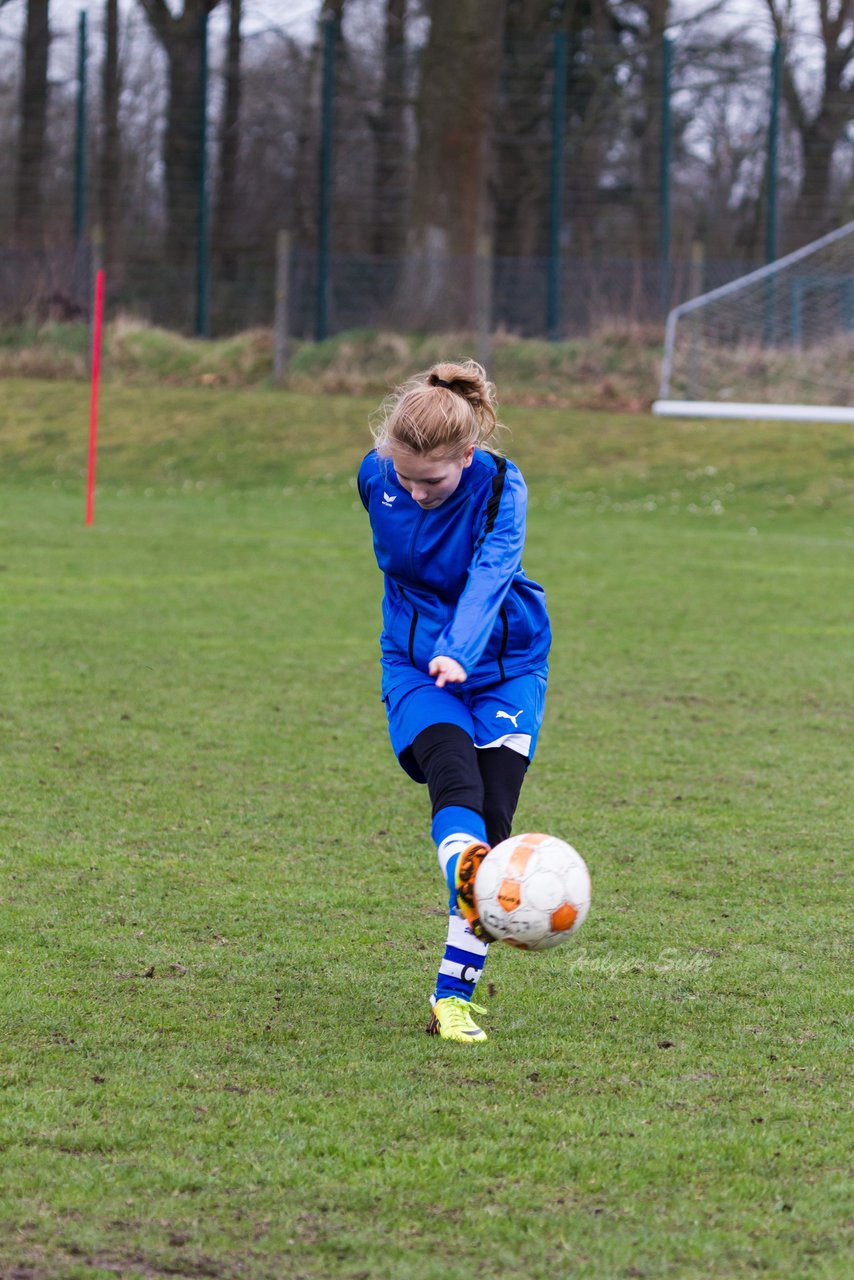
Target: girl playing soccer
x: 465, y: 639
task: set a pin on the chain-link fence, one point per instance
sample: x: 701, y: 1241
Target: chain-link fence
x: 545, y: 179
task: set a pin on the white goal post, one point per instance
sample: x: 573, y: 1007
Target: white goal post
x: 777, y: 343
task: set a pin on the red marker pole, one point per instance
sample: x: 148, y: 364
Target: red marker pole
x: 93, y: 405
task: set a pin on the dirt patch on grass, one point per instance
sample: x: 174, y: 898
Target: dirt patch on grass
x: 55, y: 1263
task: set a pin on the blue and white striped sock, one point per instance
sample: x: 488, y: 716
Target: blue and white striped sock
x: 463, y: 961
x: 454, y: 828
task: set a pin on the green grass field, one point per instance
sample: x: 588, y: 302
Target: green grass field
x: 221, y: 911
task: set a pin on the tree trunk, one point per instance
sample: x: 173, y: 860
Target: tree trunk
x: 109, y: 169
x: 525, y: 127
x: 181, y: 38
x: 648, y: 189
x: 819, y: 129
x: 815, y: 214
x: 459, y: 76
x: 821, y: 134
x: 32, y: 139
x: 523, y: 132
x: 182, y: 153
x: 390, y: 174
x: 224, y: 235
x: 304, y: 216
x: 594, y: 95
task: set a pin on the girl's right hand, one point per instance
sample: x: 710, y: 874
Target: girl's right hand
x: 446, y: 671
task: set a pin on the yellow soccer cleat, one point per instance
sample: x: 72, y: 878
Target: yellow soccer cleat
x: 468, y: 865
x: 452, y: 1020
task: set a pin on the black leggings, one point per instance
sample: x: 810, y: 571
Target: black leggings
x: 487, y: 781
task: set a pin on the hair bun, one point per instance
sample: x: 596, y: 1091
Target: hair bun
x: 412, y: 418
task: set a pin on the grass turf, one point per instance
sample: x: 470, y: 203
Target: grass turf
x: 221, y: 913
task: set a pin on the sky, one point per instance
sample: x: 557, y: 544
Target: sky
x: 292, y: 17
x: 295, y: 16
x: 298, y: 18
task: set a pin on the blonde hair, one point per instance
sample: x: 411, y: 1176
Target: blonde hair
x: 451, y: 408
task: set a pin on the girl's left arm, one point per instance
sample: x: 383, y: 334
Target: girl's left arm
x: 496, y: 561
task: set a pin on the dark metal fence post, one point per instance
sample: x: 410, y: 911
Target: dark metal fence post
x: 771, y: 210
x: 280, y: 315
x: 664, y: 192
x: 773, y: 131
x: 483, y: 300
x: 325, y: 207
x: 80, y: 141
x: 556, y: 203
x: 202, y: 264
x: 90, y: 285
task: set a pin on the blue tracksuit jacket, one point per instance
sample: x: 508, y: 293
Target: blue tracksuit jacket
x: 454, y: 583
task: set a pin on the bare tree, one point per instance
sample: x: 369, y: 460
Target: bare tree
x: 821, y: 119
x: 649, y: 152
x: 523, y: 129
x: 32, y: 138
x: 304, y: 213
x: 109, y: 168
x: 389, y: 130
x: 225, y: 213
x: 595, y: 120
x: 454, y: 112
x: 180, y: 38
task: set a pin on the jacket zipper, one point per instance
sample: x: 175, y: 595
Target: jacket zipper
x: 415, y: 531
x: 412, y: 627
x: 413, y: 624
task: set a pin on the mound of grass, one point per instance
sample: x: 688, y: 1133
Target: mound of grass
x: 44, y: 351
x: 136, y: 352
x: 617, y: 368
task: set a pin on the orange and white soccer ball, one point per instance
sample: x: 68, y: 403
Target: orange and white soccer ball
x: 532, y: 891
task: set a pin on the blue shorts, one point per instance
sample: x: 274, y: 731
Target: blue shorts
x: 507, y: 714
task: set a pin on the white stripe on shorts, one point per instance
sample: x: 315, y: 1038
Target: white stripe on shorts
x: 520, y: 742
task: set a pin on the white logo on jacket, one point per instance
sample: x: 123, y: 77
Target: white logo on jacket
x: 388, y: 498
x: 503, y: 715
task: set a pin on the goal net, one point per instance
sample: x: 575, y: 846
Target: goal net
x: 777, y: 343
